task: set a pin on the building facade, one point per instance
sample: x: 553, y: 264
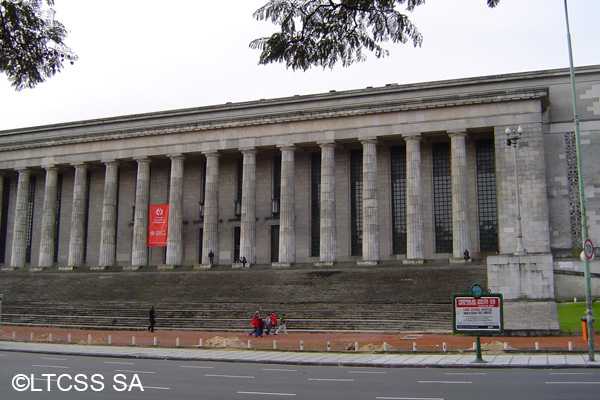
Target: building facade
x: 404, y: 173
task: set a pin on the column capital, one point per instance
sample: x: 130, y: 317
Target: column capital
x: 369, y: 141
x: 211, y: 153
x: 417, y: 137
x: 283, y: 147
x: 176, y: 156
x: 79, y: 164
x: 250, y: 150
x: 51, y: 167
x: 457, y: 133
x: 326, y: 144
x: 110, y: 162
x: 21, y: 170
x: 142, y: 159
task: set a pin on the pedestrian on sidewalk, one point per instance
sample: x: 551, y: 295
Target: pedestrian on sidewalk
x: 271, y: 323
x: 281, y: 325
x: 255, y: 326
x: 211, y: 257
x: 152, y: 319
x: 261, y: 321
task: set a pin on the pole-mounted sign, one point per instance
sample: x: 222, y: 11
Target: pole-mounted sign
x: 588, y: 249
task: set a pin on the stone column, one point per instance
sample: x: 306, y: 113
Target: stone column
x: 287, y: 214
x: 77, y: 236
x: 139, y: 251
x: 461, y: 238
x: 248, y: 217
x: 210, y: 225
x: 328, y: 244
x: 370, y: 244
x: 415, y: 246
x: 46, y: 258
x: 108, y: 234
x: 19, y: 244
x: 175, y: 227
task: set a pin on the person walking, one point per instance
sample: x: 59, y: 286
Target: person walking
x: 211, y: 257
x: 271, y: 323
x: 255, y: 326
x: 152, y: 319
x: 281, y: 325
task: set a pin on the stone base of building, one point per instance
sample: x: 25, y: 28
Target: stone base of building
x: 67, y: 268
x: 323, y: 264
x: 529, y: 276
x: 203, y: 266
x: 413, y: 261
x: 36, y: 269
x: 240, y: 265
x: 459, y: 260
x: 367, y: 263
x: 9, y: 268
x: 98, y: 268
x: 281, y: 265
x: 131, y: 267
x: 165, y: 266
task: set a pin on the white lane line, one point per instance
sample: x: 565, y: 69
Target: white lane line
x: 279, y: 369
x: 367, y: 372
x: 409, y: 398
x: 268, y: 394
x: 135, y: 372
x: 330, y: 380
x: 195, y: 366
x: 571, y: 373
x: 573, y: 383
x: 50, y: 366
x: 118, y: 362
x: 466, y: 373
x: 51, y: 358
x: 230, y: 376
x: 156, y: 387
x: 450, y: 382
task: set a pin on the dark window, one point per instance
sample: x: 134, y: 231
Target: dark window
x: 277, y: 177
x: 486, y: 195
x: 442, y: 197
x: 86, y: 214
x: 315, y: 204
x: 59, y: 181
x: 200, y: 238
x: 398, y: 175
x: 30, y: 207
x: 4, y: 216
x: 274, y: 243
x: 237, y: 232
x: 238, y: 196
x: 356, y: 191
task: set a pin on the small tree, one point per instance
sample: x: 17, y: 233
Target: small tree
x: 325, y: 32
x: 31, y: 42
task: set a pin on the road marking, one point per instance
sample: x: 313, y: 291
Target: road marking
x: 230, y: 376
x: 50, y: 358
x: 279, y: 369
x: 573, y: 383
x: 466, y: 373
x: 268, y: 394
x: 409, y: 398
x: 51, y: 366
x: 156, y: 387
x: 135, y: 372
x: 118, y: 362
x: 195, y: 366
x: 367, y: 372
x: 571, y: 373
x: 457, y: 382
x: 331, y: 380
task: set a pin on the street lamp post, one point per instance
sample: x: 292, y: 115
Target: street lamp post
x: 512, y: 140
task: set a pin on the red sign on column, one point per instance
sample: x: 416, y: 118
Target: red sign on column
x: 158, y: 224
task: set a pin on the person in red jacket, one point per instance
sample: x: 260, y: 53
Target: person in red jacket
x: 271, y: 323
x: 255, y: 325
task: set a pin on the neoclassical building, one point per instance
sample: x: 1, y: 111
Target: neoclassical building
x: 404, y: 173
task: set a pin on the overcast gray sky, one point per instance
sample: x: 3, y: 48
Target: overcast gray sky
x: 138, y: 56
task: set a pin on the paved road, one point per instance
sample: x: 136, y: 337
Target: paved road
x: 54, y: 377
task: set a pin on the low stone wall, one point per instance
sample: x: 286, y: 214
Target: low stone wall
x: 522, y: 277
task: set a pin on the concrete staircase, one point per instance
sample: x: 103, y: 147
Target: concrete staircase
x: 389, y: 298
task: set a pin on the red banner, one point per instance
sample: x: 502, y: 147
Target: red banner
x: 158, y: 224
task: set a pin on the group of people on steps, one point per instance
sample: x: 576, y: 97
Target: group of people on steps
x: 271, y: 323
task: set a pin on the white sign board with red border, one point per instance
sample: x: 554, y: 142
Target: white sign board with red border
x: 484, y: 314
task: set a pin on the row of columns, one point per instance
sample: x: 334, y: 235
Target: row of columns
x: 287, y: 254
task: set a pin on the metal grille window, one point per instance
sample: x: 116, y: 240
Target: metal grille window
x: 240, y: 181
x: 486, y: 195
x: 276, y: 185
x: 315, y: 204
x: 398, y: 175
x: 4, y: 216
x: 237, y: 234
x: 59, y: 180
x: 30, y: 206
x: 442, y: 197
x: 356, y: 193
x: 573, y: 189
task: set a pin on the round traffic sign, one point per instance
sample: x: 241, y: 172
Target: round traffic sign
x: 588, y: 249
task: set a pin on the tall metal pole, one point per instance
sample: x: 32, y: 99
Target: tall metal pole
x: 584, y: 227
x: 513, y: 141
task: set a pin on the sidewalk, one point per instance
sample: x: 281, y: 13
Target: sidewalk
x: 403, y: 349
